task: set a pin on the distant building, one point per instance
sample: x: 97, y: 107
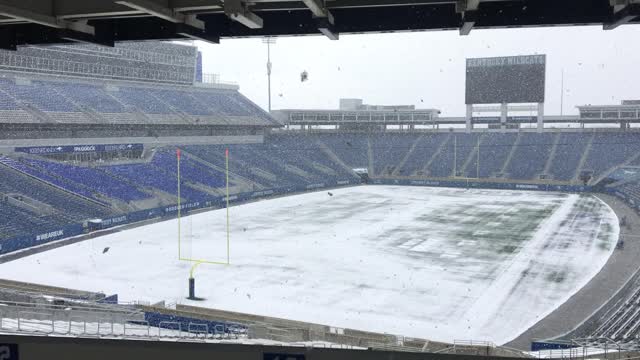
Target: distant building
x: 626, y: 113
x: 356, y: 104
x: 353, y: 114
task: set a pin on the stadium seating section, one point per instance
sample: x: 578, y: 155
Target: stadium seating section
x: 93, y: 180
x: 65, y: 207
x: 621, y: 320
x: 71, y: 101
x: 630, y: 190
x: 79, y: 192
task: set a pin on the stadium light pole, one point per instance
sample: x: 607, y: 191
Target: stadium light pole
x: 269, y: 41
x: 562, y: 92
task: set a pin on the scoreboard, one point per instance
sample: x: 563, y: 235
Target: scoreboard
x: 511, y: 79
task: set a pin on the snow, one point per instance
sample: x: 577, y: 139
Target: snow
x: 575, y: 352
x: 433, y: 263
x: 108, y: 330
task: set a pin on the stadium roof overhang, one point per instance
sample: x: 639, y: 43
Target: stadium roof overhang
x: 108, y: 21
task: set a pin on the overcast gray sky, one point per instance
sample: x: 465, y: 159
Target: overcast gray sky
x: 427, y: 69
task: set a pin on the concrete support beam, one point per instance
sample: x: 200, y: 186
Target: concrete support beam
x: 540, y: 123
x: 187, y: 25
x: 327, y: 28
x: 469, y: 118
x: 504, y: 109
x: 31, y: 16
x: 324, y: 18
x: 72, y: 28
x: 317, y: 7
x: 466, y: 5
x: 623, y: 16
x: 468, y: 22
x: 238, y: 11
x: 468, y: 10
x: 79, y: 31
x: 165, y: 13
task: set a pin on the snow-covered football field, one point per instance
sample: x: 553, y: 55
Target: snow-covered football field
x: 434, y: 263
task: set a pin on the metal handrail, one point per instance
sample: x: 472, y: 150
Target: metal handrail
x: 160, y: 327
x: 79, y: 306
x: 46, y: 324
x: 22, y: 319
x: 136, y: 325
x: 193, y: 326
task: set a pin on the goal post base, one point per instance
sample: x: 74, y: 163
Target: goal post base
x: 192, y: 289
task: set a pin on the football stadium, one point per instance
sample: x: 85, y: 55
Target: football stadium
x: 141, y: 198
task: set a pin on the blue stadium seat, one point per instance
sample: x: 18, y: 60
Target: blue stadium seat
x: 6, y: 101
x: 15, y: 221
x: 350, y: 148
x: 632, y: 190
x: 46, y: 177
x: 494, y: 150
x: 569, y: 151
x: 222, y: 103
x: 190, y: 170
x: 609, y: 150
x: 530, y: 156
x: 82, y: 98
x: 67, y: 205
x: 90, y: 96
x: 153, y: 177
x: 389, y: 150
x: 181, y: 100
x: 142, y: 100
x: 90, y: 178
x: 305, y: 153
x: 424, y: 150
x: 39, y: 94
x: 455, y: 153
